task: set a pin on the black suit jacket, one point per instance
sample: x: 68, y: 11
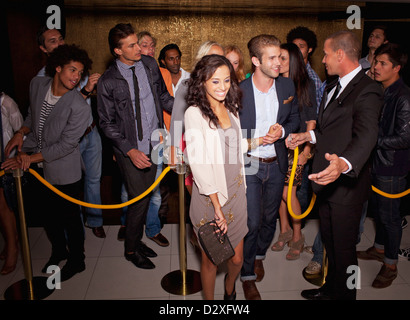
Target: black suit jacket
x: 288, y: 114
x: 348, y: 127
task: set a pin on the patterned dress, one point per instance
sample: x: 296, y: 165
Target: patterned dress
x: 235, y: 209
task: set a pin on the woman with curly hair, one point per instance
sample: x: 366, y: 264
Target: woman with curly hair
x: 215, y: 154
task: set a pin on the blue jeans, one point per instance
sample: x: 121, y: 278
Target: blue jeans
x: 263, y: 194
x: 152, y: 223
x: 317, y: 249
x: 387, y: 216
x: 91, y: 153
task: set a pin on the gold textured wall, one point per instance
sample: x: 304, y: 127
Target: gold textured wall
x: 188, y: 30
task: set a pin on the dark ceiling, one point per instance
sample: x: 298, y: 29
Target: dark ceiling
x: 266, y: 6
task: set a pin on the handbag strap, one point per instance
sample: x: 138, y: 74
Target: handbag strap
x: 219, y: 235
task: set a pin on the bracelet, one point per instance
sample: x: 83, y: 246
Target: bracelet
x: 85, y: 92
x: 252, y: 143
x: 309, y: 156
x: 18, y: 131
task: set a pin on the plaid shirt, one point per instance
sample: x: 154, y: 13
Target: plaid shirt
x: 318, y: 83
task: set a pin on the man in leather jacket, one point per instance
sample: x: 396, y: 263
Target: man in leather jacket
x: 391, y: 163
x: 131, y: 96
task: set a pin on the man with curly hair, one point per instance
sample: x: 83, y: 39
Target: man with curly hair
x: 56, y: 121
x: 90, y: 143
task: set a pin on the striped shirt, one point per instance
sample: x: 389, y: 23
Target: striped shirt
x: 48, y: 105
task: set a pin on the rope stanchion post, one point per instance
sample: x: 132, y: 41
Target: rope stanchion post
x: 182, y: 281
x: 30, y: 288
x: 318, y: 279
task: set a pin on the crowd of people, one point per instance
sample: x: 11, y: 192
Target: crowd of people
x: 237, y: 131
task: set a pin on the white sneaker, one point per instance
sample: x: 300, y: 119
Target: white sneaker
x: 313, y: 268
x: 404, y: 253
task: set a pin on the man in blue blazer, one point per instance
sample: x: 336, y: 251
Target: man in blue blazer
x: 267, y: 99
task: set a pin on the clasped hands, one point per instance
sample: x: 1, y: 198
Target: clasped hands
x: 22, y: 160
x: 331, y: 173
x: 275, y: 133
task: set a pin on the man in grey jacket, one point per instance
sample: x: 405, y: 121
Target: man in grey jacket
x: 131, y: 97
x: 56, y: 120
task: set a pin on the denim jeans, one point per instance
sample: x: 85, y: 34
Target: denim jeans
x: 263, y: 194
x: 387, y: 216
x: 91, y: 153
x: 152, y: 223
x: 317, y: 249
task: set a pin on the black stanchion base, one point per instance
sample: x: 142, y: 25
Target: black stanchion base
x: 173, y: 282
x: 316, y: 279
x: 20, y: 290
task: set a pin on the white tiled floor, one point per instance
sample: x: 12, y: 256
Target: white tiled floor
x: 109, y: 276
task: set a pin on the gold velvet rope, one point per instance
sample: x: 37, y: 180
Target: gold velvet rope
x: 312, y: 202
x: 166, y: 170
x: 289, y: 198
x: 97, y: 206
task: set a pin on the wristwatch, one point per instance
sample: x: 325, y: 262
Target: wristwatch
x: 85, y: 92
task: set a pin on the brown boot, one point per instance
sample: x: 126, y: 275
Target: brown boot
x: 259, y: 270
x: 385, y: 277
x: 250, y: 290
x: 370, y: 254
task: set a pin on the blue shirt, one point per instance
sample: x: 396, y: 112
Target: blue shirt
x: 266, y: 108
x: 149, y: 119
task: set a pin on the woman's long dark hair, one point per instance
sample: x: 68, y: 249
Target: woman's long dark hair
x: 196, y: 96
x: 299, y: 74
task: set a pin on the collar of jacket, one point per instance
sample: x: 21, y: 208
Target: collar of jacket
x: 393, y: 89
x: 117, y: 73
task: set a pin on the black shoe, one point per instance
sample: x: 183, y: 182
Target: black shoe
x: 121, y: 234
x: 54, y: 260
x: 231, y: 296
x: 140, y: 261
x: 146, y: 251
x: 99, y: 232
x: 315, y: 294
x: 70, y: 269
